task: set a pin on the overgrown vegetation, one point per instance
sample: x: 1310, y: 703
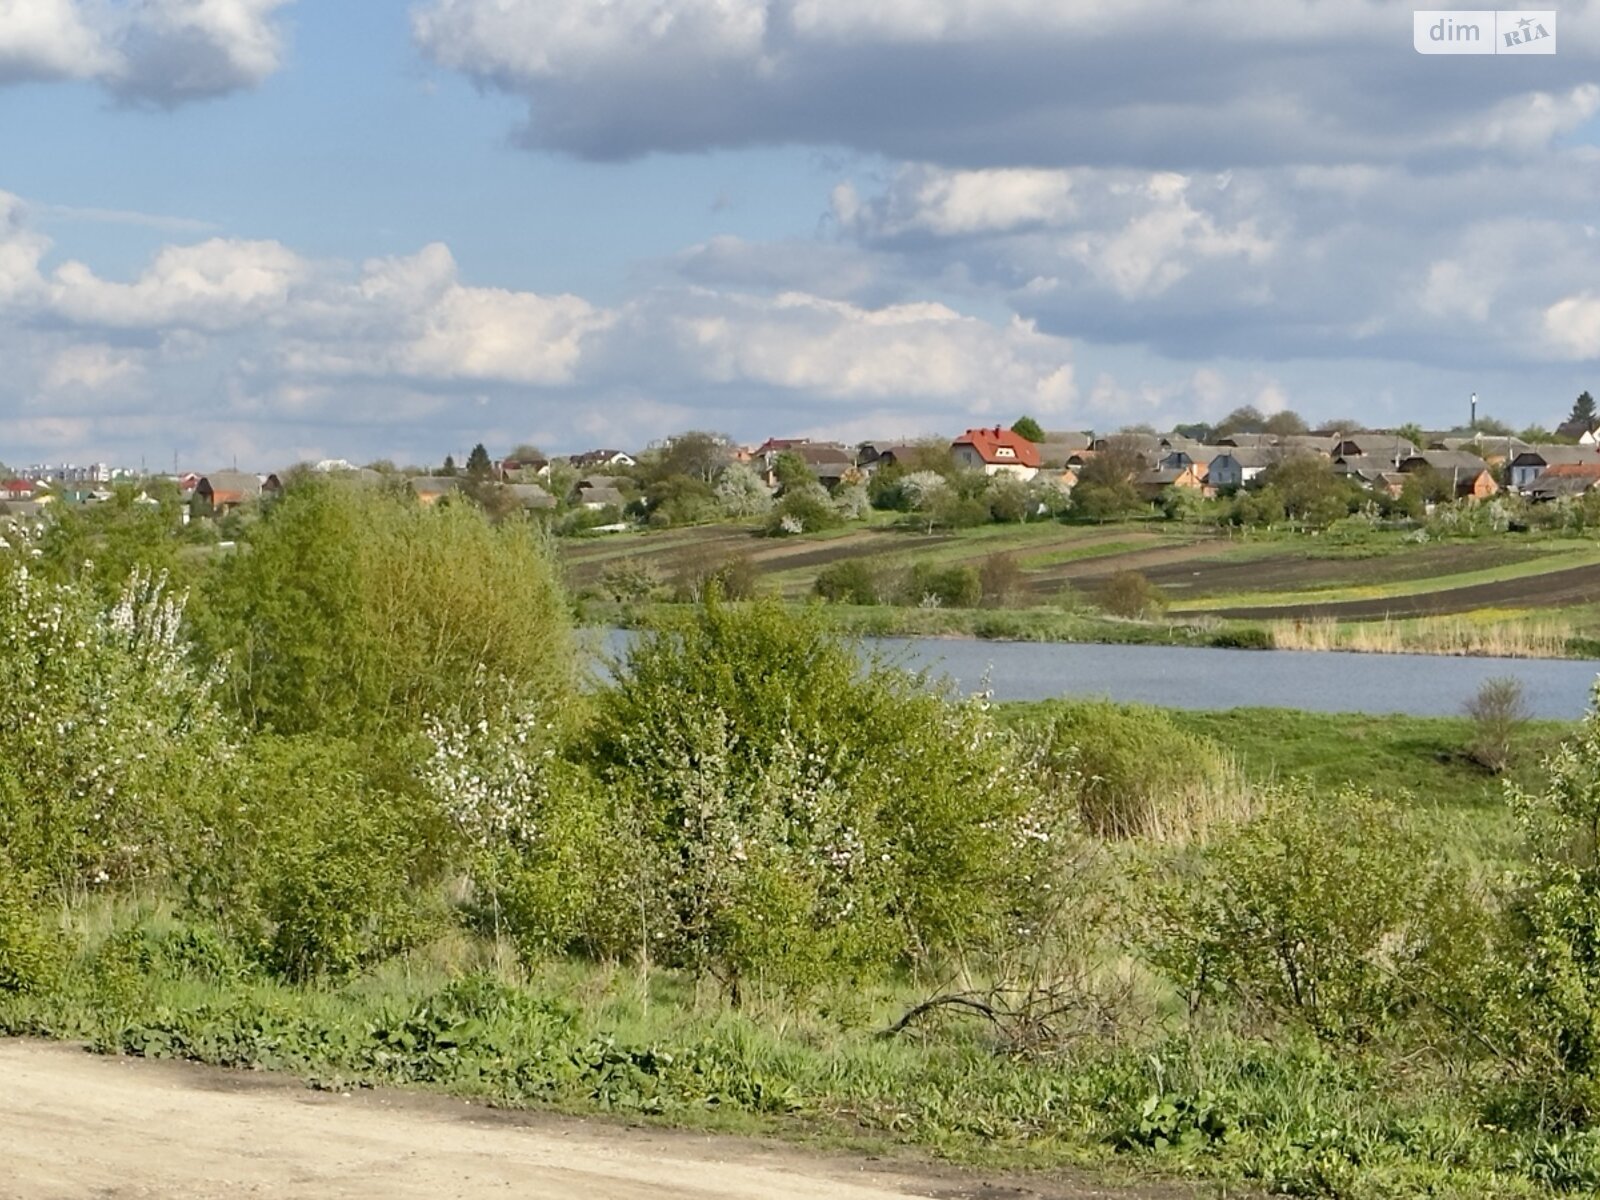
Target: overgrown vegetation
x: 349, y: 811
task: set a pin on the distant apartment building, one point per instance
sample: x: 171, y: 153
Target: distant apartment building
x: 72, y: 473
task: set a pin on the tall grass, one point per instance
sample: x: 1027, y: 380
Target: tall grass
x: 1134, y: 774
x: 1531, y: 637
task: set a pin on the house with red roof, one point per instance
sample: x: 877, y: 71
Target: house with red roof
x: 996, y: 451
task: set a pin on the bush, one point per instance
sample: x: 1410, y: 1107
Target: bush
x: 1131, y: 594
x: 1250, y: 638
x: 356, y: 613
x: 850, y: 581
x: 629, y: 580
x: 800, y: 815
x: 538, y: 852
x: 31, y: 948
x: 1336, y: 915
x: 806, y: 509
x: 1131, y: 772
x: 943, y: 587
x: 1557, y: 907
x: 1499, y: 712
x: 109, y: 739
x: 1000, y: 580
x: 317, y: 866
x: 735, y: 576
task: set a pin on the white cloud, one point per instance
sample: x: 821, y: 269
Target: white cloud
x: 1529, y: 122
x: 523, y: 42
x: 219, y: 284
x: 161, y: 52
x: 927, y: 199
x: 1572, y: 326
x: 411, y: 317
x: 826, y: 351
x: 176, y: 50
x: 21, y: 250
x: 90, y: 367
x: 50, y: 39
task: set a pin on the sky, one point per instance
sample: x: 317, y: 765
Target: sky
x: 264, y: 231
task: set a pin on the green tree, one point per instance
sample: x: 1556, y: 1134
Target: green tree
x: 1310, y: 492
x: 353, y: 612
x: 101, y: 545
x: 791, y: 471
x: 1105, y: 487
x: 1583, y: 409
x: 697, y: 454
x: 1284, y: 423
x: 1029, y: 428
x: 1245, y: 419
x: 478, y: 464
x: 449, y: 467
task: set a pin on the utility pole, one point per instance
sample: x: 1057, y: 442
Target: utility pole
x: 1474, y: 425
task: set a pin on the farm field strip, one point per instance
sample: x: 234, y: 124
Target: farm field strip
x: 1550, y: 564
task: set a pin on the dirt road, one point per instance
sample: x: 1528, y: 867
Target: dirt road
x: 74, y: 1125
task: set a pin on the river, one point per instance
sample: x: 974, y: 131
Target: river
x: 1193, y: 677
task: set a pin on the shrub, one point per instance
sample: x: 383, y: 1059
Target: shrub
x: 1499, y: 712
x: 1131, y: 594
x: 318, y: 865
x: 852, y: 502
x: 355, y: 613
x: 946, y: 587
x: 804, y: 816
x: 1557, y: 906
x: 735, y: 576
x: 1336, y: 915
x: 108, y: 736
x: 850, y: 581
x: 1010, y: 501
x: 538, y: 852
x: 31, y: 948
x: 1131, y: 772
x: 629, y: 580
x: 806, y: 509
x: 1000, y: 580
x: 1251, y: 637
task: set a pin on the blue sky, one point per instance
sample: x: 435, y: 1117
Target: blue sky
x: 270, y: 229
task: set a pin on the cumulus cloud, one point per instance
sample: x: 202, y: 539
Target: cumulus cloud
x: 1427, y: 266
x: 90, y: 367
x: 1018, y: 83
x: 833, y: 351
x: 1572, y: 325
x: 218, y: 284
x: 411, y: 317
x: 224, y: 335
x: 161, y: 52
